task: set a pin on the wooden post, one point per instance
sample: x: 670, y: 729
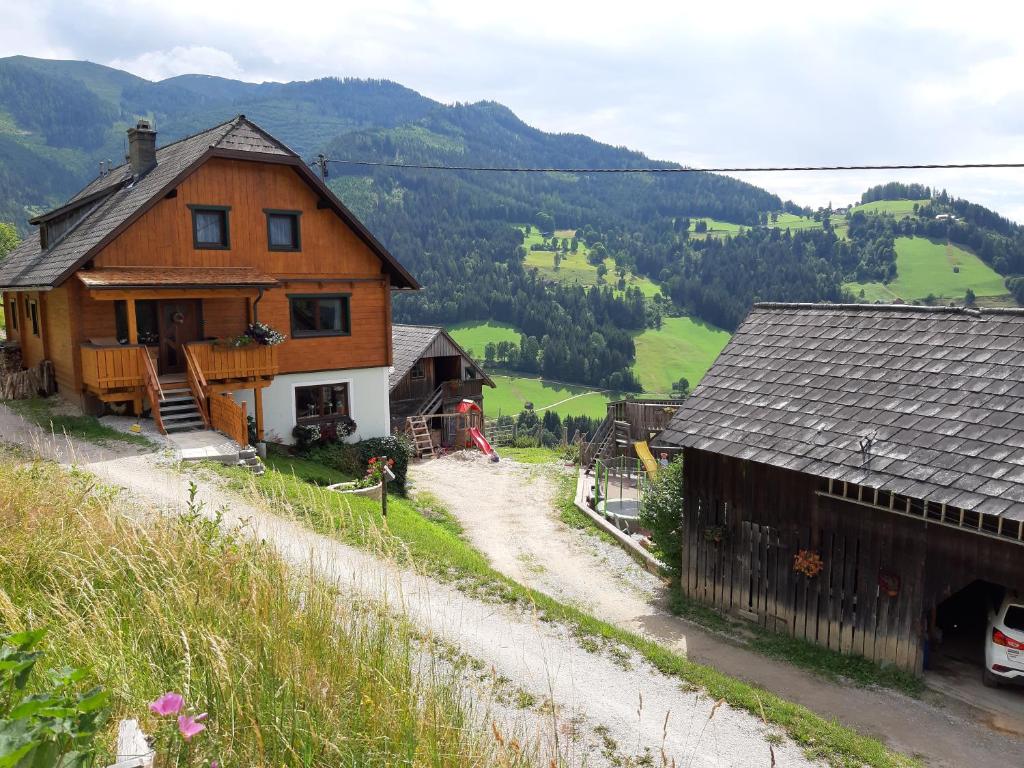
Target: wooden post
x: 250, y: 312
x: 258, y: 397
x: 133, y: 329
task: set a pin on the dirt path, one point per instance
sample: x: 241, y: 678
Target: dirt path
x: 508, y: 512
x: 606, y: 709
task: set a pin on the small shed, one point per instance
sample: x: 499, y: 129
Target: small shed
x: 854, y: 475
x: 431, y: 375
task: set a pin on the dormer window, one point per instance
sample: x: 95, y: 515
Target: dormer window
x: 283, y: 230
x: 210, y: 227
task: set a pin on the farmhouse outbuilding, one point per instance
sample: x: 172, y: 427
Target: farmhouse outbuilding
x: 854, y: 475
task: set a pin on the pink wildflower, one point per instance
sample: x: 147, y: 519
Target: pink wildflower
x: 190, y: 726
x: 168, y: 704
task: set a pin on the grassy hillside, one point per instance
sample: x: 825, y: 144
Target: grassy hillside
x: 289, y: 674
x: 898, y: 208
x: 574, y: 267
x: 927, y: 267
x: 681, y: 347
x: 475, y: 336
x: 792, y: 221
x: 513, y: 392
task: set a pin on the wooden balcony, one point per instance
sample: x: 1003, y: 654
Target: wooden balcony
x: 225, y: 367
x: 109, y: 370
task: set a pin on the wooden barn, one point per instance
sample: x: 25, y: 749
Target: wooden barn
x: 854, y: 476
x: 430, y: 376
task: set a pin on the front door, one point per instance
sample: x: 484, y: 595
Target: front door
x: 179, y: 325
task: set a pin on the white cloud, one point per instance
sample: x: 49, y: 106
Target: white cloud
x: 721, y: 83
x: 181, y: 60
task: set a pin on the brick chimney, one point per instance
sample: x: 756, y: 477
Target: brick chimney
x: 141, y: 148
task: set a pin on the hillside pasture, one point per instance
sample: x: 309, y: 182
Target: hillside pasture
x: 926, y: 267
x: 574, y: 267
x: 513, y: 392
x: 474, y: 336
x: 682, y: 346
x: 901, y: 209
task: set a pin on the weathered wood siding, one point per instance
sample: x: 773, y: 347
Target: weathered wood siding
x: 333, y: 259
x: 765, y: 516
x: 32, y: 351
x: 13, y: 334
x: 62, y: 340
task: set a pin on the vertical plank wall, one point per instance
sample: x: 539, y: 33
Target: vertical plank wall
x: 746, y: 522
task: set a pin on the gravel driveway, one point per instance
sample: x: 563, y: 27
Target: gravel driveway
x: 508, y: 512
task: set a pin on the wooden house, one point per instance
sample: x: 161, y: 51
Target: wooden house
x: 431, y: 375
x: 141, y: 288
x: 854, y: 476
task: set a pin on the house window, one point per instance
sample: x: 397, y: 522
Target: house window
x: 210, y: 227
x: 283, y: 230
x: 417, y: 372
x: 320, y: 315
x: 321, y: 403
x: 33, y: 313
x: 13, y: 317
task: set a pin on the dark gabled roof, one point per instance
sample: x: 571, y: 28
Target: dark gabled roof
x: 113, y: 201
x: 938, y: 392
x: 410, y: 342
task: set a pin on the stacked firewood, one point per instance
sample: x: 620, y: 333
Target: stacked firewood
x: 22, y: 385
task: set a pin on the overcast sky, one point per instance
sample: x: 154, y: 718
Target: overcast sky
x: 707, y: 84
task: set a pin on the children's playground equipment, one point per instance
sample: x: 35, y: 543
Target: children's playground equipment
x: 473, y: 432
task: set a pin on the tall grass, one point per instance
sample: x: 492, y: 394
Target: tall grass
x: 290, y: 673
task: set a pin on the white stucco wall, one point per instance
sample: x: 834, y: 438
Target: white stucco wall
x: 368, y: 399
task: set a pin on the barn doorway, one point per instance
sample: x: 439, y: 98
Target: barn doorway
x: 959, y: 625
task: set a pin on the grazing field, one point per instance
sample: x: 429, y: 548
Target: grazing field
x: 474, y: 336
x: 898, y: 208
x: 791, y: 221
x: 925, y: 267
x: 574, y: 267
x: 716, y: 228
x: 513, y: 392
x: 682, y: 346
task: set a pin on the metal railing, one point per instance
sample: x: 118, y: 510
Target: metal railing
x: 620, y: 483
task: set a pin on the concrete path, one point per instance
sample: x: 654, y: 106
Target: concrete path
x: 508, y: 512
x: 607, y: 710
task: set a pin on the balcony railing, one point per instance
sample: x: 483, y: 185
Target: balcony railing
x: 221, y: 362
x: 106, y: 369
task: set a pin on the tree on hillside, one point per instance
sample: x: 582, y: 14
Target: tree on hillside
x: 969, y: 298
x: 575, y: 245
x: 545, y: 222
x: 490, y: 352
x: 700, y: 226
x: 597, y: 253
x: 8, y: 238
x: 681, y: 388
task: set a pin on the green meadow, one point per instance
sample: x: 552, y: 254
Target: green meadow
x: 682, y: 346
x: 791, y: 221
x: 574, y: 267
x: 513, y: 392
x: 898, y: 208
x: 474, y: 336
x: 926, y: 267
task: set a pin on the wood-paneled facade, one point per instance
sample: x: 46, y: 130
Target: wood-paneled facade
x: 883, y: 573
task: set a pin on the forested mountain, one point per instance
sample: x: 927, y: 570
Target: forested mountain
x: 462, y: 233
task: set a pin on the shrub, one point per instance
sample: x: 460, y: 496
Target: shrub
x: 306, y: 436
x: 396, y: 447
x: 662, y: 514
x: 344, y: 457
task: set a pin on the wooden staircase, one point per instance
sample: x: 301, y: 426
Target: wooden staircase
x: 179, y: 411
x: 419, y: 432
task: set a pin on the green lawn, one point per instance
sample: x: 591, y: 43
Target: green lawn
x: 474, y: 336
x: 925, y: 267
x: 43, y: 411
x: 513, y: 392
x: 898, y: 208
x: 682, y: 347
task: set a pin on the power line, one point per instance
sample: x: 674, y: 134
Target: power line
x: 322, y: 163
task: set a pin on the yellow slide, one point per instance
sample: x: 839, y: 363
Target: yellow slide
x: 643, y: 452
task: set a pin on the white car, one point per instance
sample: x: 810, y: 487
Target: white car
x: 1004, y: 643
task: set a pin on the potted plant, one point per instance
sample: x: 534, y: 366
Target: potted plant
x: 371, y: 484
x: 808, y: 563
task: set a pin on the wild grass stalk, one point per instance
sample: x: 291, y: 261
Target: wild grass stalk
x: 290, y: 673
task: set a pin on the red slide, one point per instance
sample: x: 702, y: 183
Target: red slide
x: 474, y: 432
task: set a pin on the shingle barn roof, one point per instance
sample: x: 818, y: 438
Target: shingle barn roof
x: 113, y: 201
x: 919, y: 401
x: 411, y: 342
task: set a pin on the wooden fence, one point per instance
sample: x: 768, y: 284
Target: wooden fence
x: 231, y: 418
x: 222, y: 361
